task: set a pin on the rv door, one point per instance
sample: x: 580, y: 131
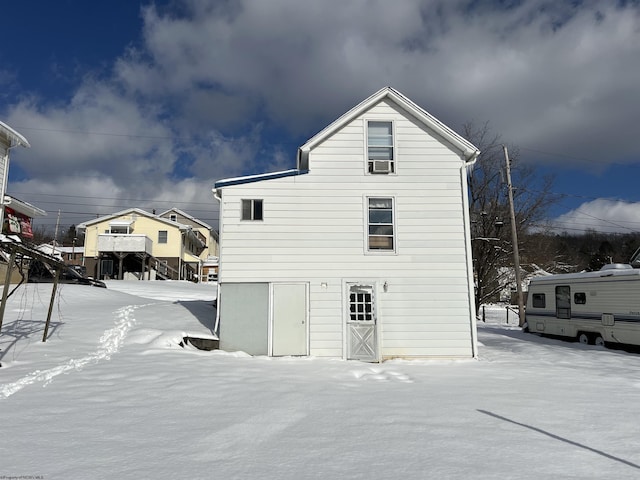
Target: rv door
x: 563, y: 301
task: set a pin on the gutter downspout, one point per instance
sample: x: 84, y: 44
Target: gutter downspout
x: 217, y: 194
x: 472, y: 159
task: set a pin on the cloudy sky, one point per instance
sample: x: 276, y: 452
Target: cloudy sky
x: 147, y: 104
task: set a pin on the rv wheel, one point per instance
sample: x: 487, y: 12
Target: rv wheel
x: 584, y: 338
x: 599, y: 341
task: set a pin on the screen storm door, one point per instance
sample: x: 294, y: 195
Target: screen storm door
x: 362, y: 336
x: 563, y: 301
x: 289, y: 327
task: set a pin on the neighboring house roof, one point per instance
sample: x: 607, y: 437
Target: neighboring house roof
x: 49, y: 250
x: 186, y: 215
x: 136, y: 211
x: 14, y: 137
x: 24, y: 208
x: 468, y: 150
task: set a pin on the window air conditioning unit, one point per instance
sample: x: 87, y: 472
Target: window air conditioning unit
x: 381, y: 166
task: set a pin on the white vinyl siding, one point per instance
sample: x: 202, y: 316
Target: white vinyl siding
x: 316, y: 228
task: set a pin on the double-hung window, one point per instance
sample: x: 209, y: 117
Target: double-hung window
x: 380, y: 224
x: 163, y: 236
x: 251, y: 209
x: 380, y: 153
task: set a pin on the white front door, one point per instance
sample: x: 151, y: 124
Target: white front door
x: 362, y: 335
x: 289, y: 327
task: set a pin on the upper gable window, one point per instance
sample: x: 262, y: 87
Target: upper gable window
x: 173, y: 217
x: 380, y: 154
x: 251, y: 210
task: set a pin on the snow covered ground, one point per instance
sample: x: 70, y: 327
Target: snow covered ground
x: 111, y: 394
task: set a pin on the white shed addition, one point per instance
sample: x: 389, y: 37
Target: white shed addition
x: 361, y: 252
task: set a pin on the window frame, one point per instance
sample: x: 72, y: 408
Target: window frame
x: 252, y: 209
x: 368, y: 224
x: 393, y: 149
x: 580, y: 298
x: 166, y: 237
x: 538, y: 300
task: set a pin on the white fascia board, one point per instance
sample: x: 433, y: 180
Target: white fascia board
x: 14, y: 136
x: 24, y: 208
x: 121, y: 223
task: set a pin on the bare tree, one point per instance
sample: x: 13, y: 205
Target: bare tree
x: 489, y: 210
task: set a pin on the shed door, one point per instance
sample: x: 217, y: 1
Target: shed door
x: 289, y: 327
x: 362, y: 337
x: 563, y: 301
x: 244, y: 317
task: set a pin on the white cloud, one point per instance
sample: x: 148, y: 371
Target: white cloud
x: 196, y: 99
x: 600, y: 215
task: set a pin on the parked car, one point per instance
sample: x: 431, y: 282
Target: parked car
x: 41, y: 273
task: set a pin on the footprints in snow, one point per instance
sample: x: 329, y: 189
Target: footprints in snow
x: 380, y: 375
x: 110, y: 343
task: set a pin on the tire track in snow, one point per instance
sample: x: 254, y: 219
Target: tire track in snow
x: 110, y: 343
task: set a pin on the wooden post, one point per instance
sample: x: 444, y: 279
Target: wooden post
x: 514, y: 240
x: 7, y: 281
x: 53, y: 297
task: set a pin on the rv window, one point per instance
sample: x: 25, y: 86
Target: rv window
x: 538, y: 300
x: 579, y: 298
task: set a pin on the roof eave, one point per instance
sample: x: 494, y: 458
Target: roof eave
x: 14, y: 136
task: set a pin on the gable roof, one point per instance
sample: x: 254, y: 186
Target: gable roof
x: 185, y: 215
x: 467, y: 149
x: 14, y: 137
x: 136, y: 211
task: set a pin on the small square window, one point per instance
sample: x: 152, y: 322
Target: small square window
x: 579, y: 298
x: 538, y: 300
x: 251, y: 210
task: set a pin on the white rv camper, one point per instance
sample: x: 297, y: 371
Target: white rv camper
x: 601, y: 307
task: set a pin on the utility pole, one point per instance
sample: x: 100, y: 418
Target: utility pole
x: 514, y: 240
x: 55, y: 236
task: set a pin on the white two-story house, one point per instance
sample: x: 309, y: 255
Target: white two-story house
x: 361, y: 252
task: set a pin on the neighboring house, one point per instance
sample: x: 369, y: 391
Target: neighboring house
x: 73, y: 255
x: 209, y: 255
x: 361, y: 252
x: 9, y: 139
x: 18, y: 217
x: 134, y: 243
